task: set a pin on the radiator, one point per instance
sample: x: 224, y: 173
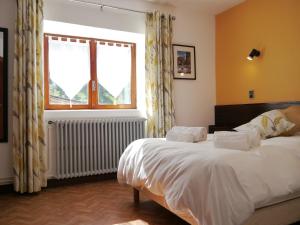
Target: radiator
x: 91, y: 147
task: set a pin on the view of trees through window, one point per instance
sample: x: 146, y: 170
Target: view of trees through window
x: 58, y: 96
x: 105, y: 97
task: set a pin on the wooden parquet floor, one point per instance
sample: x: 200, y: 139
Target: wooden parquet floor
x: 98, y: 203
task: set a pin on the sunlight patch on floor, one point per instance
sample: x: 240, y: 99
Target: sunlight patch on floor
x: 134, y: 222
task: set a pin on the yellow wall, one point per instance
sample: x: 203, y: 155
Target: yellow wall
x: 272, y: 26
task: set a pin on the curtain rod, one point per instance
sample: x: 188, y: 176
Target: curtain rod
x: 111, y: 7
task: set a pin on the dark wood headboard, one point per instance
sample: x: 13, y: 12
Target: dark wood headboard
x: 234, y: 115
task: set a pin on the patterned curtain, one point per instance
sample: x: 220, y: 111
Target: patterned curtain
x: 29, y: 153
x: 159, y: 66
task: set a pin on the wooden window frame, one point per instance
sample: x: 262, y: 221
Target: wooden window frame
x: 93, y: 95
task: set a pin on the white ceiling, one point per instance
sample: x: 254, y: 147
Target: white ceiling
x: 210, y: 6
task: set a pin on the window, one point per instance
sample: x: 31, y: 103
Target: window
x: 88, y: 73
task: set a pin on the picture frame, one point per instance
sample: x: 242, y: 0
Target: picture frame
x: 184, y: 62
x: 3, y: 84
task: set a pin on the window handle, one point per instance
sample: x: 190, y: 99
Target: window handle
x: 94, y: 85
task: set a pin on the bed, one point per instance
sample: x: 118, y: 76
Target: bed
x: 208, y: 186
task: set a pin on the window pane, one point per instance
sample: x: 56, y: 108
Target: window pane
x: 105, y: 98
x: 114, y: 74
x: 69, y: 72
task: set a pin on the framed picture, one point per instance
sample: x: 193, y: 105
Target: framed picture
x: 184, y: 62
x: 3, y: 83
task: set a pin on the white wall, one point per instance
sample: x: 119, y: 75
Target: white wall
x: 7, y: 19
x: 91, y: 16
x: 194, y: 100
x: 55, y: 27
x: 71, y: 12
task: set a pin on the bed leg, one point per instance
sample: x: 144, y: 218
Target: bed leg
x: 136, y: 196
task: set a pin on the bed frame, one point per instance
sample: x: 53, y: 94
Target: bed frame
x: 246, y: 112
x: 283, y: 213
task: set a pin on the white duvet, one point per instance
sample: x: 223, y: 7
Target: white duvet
x: 217, y: 186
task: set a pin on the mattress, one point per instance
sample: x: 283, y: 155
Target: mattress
x: 279, y: 199
x: 216, y: 186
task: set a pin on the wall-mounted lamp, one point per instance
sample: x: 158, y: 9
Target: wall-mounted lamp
x: 253, y: 53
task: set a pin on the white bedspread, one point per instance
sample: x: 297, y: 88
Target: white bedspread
x: 217, y: 186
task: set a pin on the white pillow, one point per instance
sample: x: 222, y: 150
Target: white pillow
x: 269, y: 124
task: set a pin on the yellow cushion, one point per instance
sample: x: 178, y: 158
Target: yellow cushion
x: 292, y: 113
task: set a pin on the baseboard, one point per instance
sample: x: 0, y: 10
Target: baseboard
x: 6, y: 181
x: 52, y: 182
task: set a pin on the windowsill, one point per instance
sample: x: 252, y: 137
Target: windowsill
x: 78, y: 114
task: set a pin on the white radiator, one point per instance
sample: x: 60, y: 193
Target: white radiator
x: 90, y: 147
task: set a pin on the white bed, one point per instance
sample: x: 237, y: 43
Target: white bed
x: 214, y: 186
